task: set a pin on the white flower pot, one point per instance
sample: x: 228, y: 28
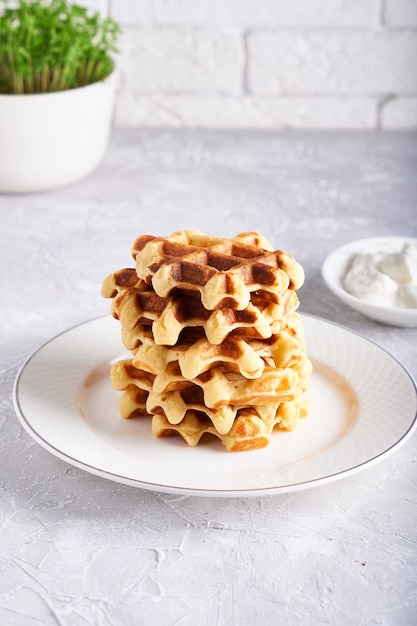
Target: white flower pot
x: 53, y: 139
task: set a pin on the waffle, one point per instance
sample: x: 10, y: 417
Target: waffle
x: 225, y: 272
x: 222, y: 387
x: 124, y: 375
x: 249, y: 431
x: 122, y: 280
x: 285, y: 367
x: 133, y: 403
x: 216, y: 344
x: 198, y: 357
x: 134, y: 304
x: 217, y: 396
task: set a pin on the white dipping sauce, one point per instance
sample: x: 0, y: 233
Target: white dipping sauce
x: 384, y: 274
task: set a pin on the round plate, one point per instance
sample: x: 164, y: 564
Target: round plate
x: 335, y: 267
x: 363, y: 406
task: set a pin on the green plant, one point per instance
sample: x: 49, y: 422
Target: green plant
x: 52, y: 45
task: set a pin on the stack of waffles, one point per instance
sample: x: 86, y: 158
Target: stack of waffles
x: 215, y: 343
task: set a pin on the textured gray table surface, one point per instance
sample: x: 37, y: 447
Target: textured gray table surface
x: 77, y: 549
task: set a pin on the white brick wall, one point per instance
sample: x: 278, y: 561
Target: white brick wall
x: 181, y: 60
x: 400, y: 13
x: 248, y: 13
x: 266, y: 63
x: 350, y: 62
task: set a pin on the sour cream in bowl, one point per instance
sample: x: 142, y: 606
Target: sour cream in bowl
x: 377, y: 277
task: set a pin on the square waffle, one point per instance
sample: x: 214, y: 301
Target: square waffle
x: 137, y: 305
x: 223, y: 271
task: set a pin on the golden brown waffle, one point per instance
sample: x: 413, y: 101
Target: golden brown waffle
x: 239, y: 428
x: 249, y: 430
x: 225, y: 272
x: 199, y: 356
x: 175, y: 405
x: 263, y: 393
x: 133, y: 403
x: 122, y: 280
x: 246, y: 356
x: 221, y: 387
x: 170, y: 316
x: 124, y: 374
x: 134, y: 304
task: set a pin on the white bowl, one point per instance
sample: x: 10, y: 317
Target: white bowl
x: 334, y: 269
x: 52, y: 139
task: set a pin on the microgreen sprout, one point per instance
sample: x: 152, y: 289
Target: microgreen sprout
x: 53, y: 45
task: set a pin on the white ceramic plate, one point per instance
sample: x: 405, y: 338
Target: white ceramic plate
x: 335, y: 266
x: 363, y: 406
